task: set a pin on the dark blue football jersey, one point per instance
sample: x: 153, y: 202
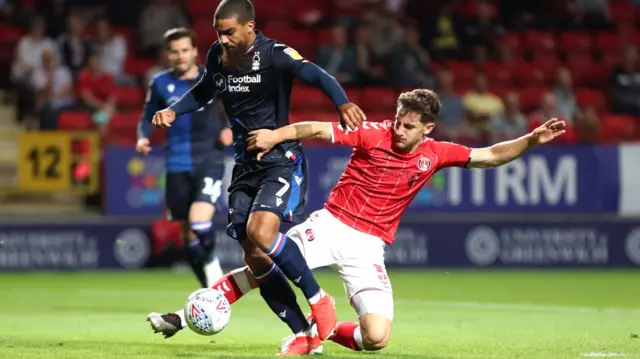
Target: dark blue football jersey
x: 193, y: 137
x: 258, y: 96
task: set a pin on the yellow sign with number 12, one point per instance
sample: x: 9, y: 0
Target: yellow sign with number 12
x: 45, y: 161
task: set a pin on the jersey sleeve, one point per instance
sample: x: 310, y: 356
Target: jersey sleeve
x: 451, y: 154
x: 286, y: 59
x: 204, y: 91
x: 367, y: 136
x: 152, y: 104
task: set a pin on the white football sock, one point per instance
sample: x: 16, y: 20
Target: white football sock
x: 357, y: 337
x: 316, y: 298
x: 213, y: 270
x: 180, y: 313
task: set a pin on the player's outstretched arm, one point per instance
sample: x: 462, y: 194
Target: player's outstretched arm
x: 264, y: 140
x: 505, y: 152
x: 197, y: 97
x: 289, y: 60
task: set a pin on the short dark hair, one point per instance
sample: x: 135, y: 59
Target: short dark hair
x: 241, y: 9
x: 177, y: 34
x: 423, y: 101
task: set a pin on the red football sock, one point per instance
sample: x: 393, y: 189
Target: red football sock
x: 345, y: 335
x: 234, y: 284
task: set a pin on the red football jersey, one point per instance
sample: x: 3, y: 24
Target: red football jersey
x: 378, y: 183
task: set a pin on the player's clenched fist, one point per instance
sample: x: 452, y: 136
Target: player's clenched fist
x: 164, y: 118
x: 351, y: 115
x: 143, y: 146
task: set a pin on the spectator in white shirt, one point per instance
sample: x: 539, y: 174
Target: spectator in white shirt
x: 54, y: 87
x: 113, y: 48
x: 29, y: 57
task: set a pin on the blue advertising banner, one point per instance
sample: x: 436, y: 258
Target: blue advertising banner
x: 511, y: 244
x: 547, y: 179
x: 73, y: 247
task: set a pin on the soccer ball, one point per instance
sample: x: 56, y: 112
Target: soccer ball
x: 207, y: 311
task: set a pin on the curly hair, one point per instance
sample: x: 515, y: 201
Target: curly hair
x: 423, y: 101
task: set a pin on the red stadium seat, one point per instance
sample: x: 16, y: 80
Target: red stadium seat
x: 353, y: 95
x: 607, y: 42
x: 548, y: 64
x: 129, y: 96
x: 137, y: 66
x: 596, y: 75
x: 513, y: 41
x: 530, y: 97
x: 304, y: 98
x: 379, y: 99
x: 525, y: 74
x: 124, y: 121
x: 575, y: 41
x: 579, y: 65
x: 463, y: 72
x: 615, y: 128
x: 588, y: 97
x: 75, y: 121
x: 10, y: 34
x: 499, y: 75
x: 539, y: 41
x: 621, y: 12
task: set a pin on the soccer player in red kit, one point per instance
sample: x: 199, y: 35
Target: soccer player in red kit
x: 390, y: 162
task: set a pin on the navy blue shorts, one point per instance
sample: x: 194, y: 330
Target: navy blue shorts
x: 203, y: 184
x: 279, y: 188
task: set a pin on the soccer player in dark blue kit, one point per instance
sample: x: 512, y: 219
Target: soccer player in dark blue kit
x: 194, y: 154
x: 253, y: 75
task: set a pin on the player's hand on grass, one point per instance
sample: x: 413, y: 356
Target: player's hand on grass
x: 262, y: 140
x: 164, y: 118
x: 351, y: 115
x: 548, y: 131
x: 143, y: 146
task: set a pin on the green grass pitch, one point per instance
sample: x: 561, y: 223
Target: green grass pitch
x: 439, y: 315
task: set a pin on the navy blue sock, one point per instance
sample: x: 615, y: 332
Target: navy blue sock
x: 207, y: 236
x: 277, y: 292
x: 287, y: 256
x: 194, y: 254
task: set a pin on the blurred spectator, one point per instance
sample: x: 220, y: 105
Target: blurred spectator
x: 395, y: 7
x: 480, y: 57
x: 73, y: 46
x: 56, y: 13
x: 548, y: 110
x: 484, y: 28
x: 480, y: 102
x: 510, y: 124
x: 522, y: 14
x: 370, y: 71
x: 113, y: 48
x: 156, y: 18
x: 587, y: 126
x: 94, y: 89
x: 386, y: 30
x: 452, y: 109
x: 441, y: 33
x: 624, y: 83
x: 54, y: 86
x: 564, y: 95
x: 162, y: 64
x: 28, y: 58
x: 338, y: 58
x: 408, y: 63
x: 591, y: 14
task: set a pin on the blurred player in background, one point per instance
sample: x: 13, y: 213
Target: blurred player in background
x: 194, y: 154
x: 390, y: 162
x: 253, y: 75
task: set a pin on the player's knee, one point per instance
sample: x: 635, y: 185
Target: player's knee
x: 375, y: 337
x: 262, y: 228
x: 201, y: 212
